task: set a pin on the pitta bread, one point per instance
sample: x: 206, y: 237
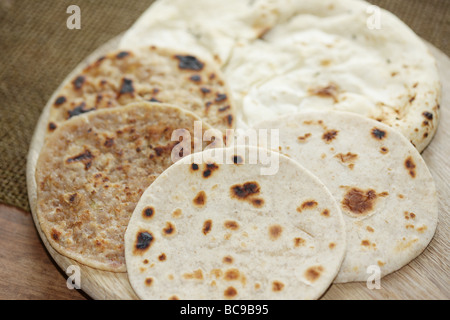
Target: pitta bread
x: 234, y: 233
x: 383, y: 186
x: 92, y: 171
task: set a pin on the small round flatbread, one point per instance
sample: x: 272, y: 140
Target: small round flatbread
x: 92, y: 171
x: 205, y: 230
x: 381, y: 182
x: 148, y: 74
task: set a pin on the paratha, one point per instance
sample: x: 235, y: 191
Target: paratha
x: 92, y: 171
x: 205, y: 230
x: 146, y: 74
x: 342, y: 55
x: 382, y: 184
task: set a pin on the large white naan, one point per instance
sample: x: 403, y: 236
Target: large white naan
x: 286, y: 56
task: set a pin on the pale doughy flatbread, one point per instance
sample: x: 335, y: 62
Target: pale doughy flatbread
x: 286, y: 56
x: 382, y: 184
x: 224, y: 231
x: 208, y: 28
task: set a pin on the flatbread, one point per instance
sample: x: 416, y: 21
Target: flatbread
x: 342, y: 55
x: 207, y: 28
x: 382, y: 184
x: 340, y: 64
x: 205, y: 230
x: 92, y: 171
x: 148, y: 74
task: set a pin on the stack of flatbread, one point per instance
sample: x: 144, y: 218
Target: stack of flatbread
x: 134, y: 166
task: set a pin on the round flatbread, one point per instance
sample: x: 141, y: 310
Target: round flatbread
x: 148, y: 74
x: 205, y: 230
x: 345, y: 55
x: 383, y: 186
x: 92, y: 171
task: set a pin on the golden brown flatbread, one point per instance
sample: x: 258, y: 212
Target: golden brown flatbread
x: 92, y: 171
x: 147, y: 74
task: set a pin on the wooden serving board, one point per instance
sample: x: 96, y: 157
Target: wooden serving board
x: 427, y: 277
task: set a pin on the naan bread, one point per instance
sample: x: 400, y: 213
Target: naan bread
x: 147, y: 74
x: 306, y: 55
x: 340, y: 64
x: 92, y: 171
x: 382, y: 184
x: 224, y: 231
x: 207, y: 28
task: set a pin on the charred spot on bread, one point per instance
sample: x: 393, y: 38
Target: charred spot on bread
x: 330, y: 135
x: 148, y: 282
x: 275, y: 231
x: 200, y: 199
x: 109, y: 142
x: 210, y: 168
x: 84, y: 157
x: 169, y: 229
x: 162, y: 257
x: 428, y: 115
x: 227, y: 259
x: 231, y: 224
x: 221, y: 97
x: 207, y: 226
x: 243, y: 191
x: 122, y: 54
x: 222, y: 109
x: 358, y: 201
x: 126, y: 86
x: 231, y: 274
x: 410, y: 166
x: 195, y: 78
x: 378, y: 134
x: 205, y: 90
x: 189, y: 63
x: 80, y: 109
x: 52, y: 126
x: 230, y: 292
x: 312, y: 274
x: 277, y: 286
x: 330, y: 91
x: 144, y: 240
x: 237, y: 159
x: 55, y: 234
x: 78, y: 82
x: 257, y: 203
x: 60, y: 100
